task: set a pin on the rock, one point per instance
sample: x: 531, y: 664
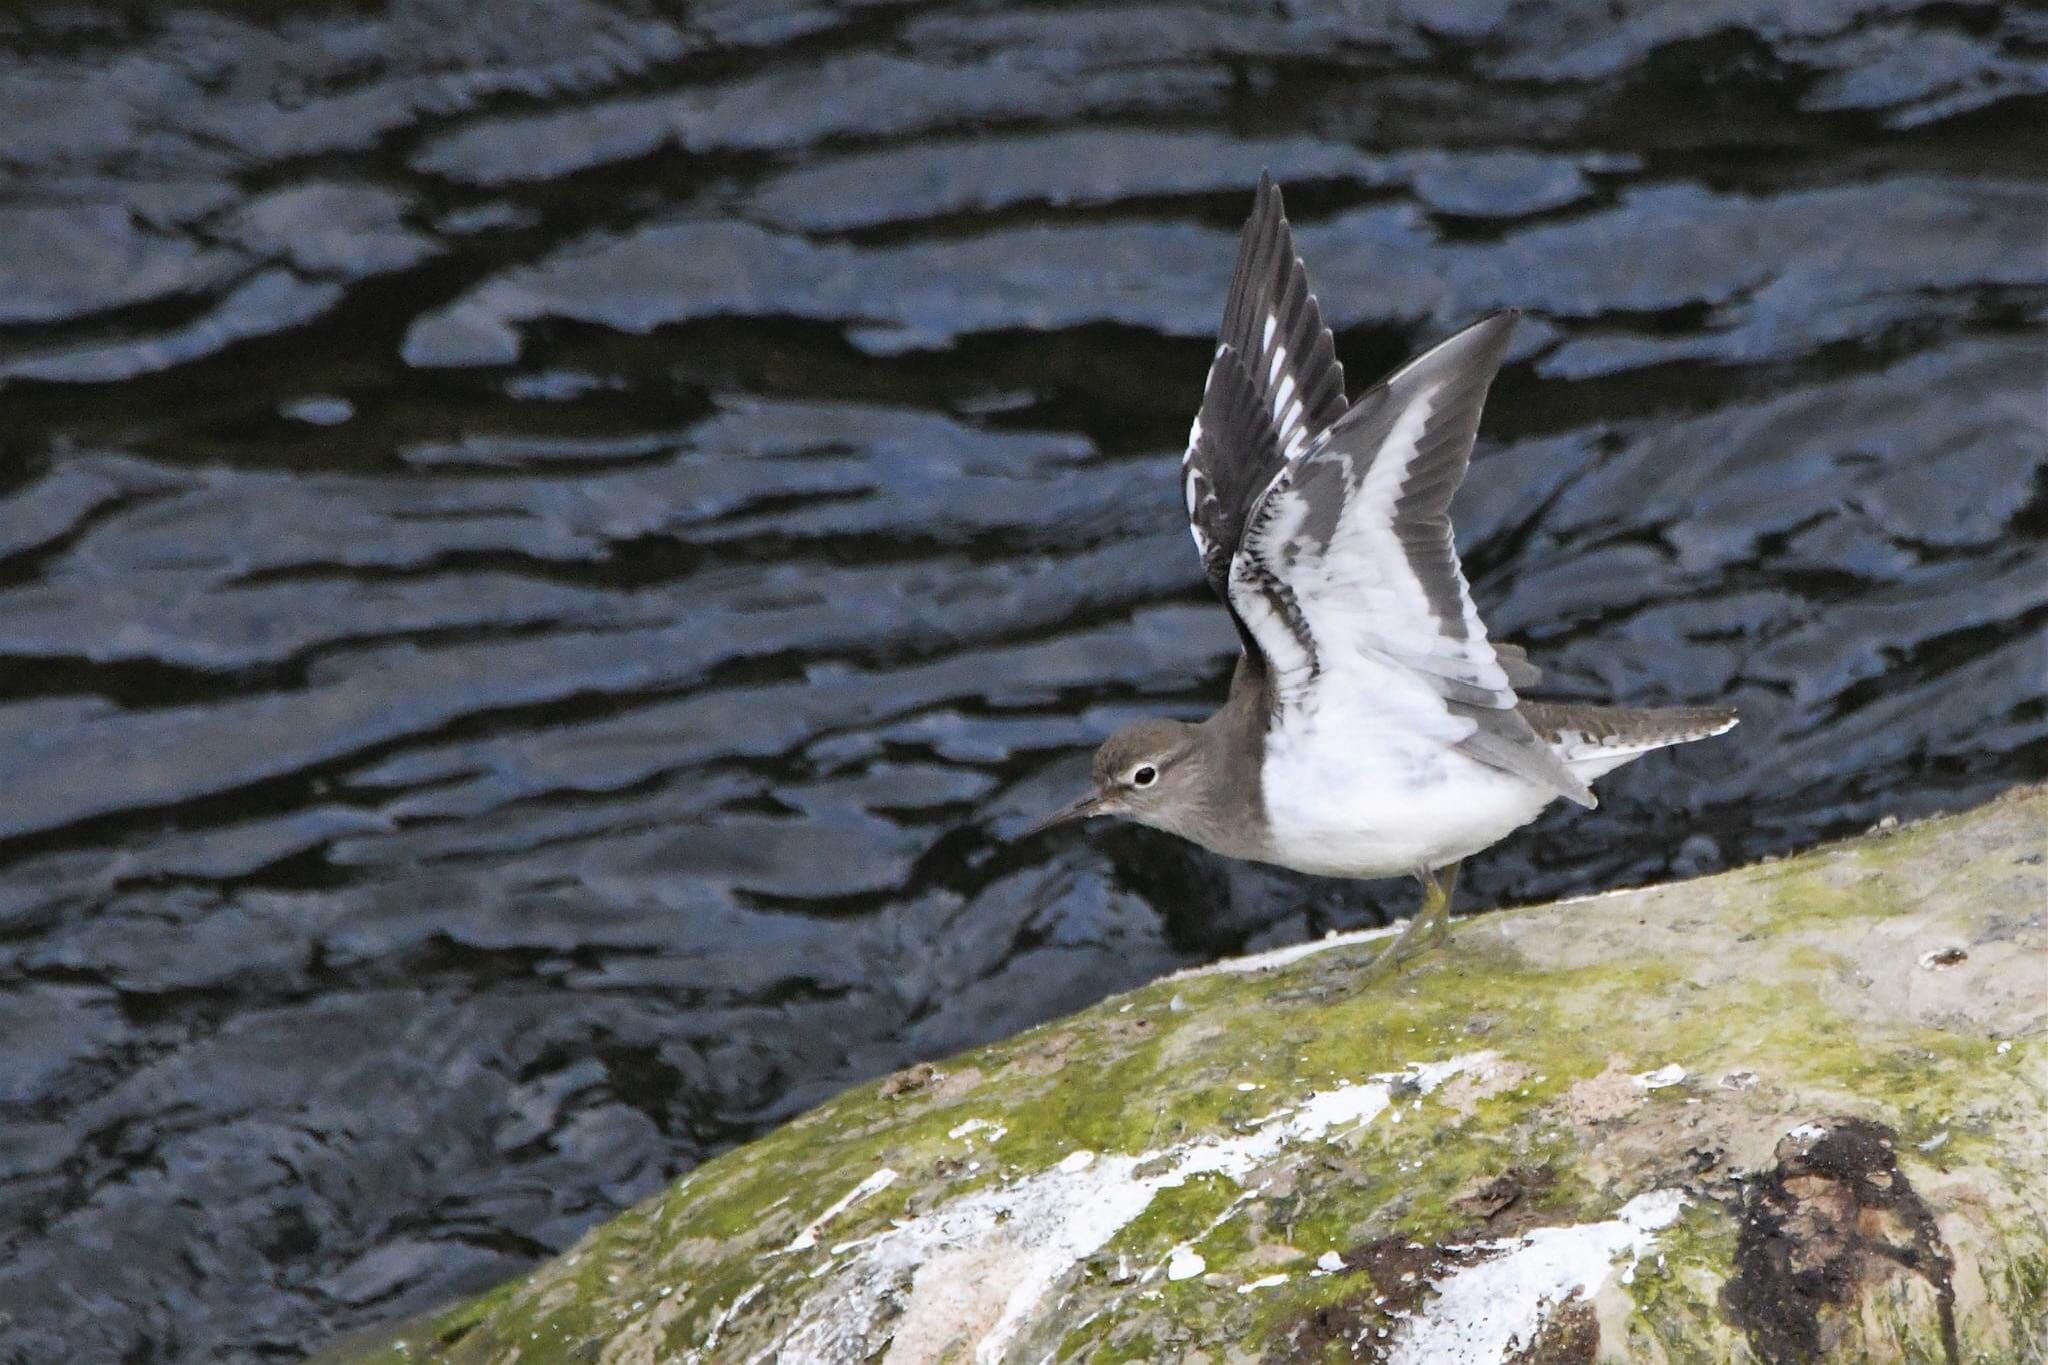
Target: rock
x: 1297, y: 1167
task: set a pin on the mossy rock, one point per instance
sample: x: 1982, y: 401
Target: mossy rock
x: 1793, y: 1112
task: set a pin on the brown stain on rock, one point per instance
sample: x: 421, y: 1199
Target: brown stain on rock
x: 1403, y: 1272
x: 1362, y: 1326
x: 1503, y: 1194
x: 1350, y: 1330
x: 1570, y: 1336
x: 1833, y: 1219
x: 1359, y: 1327
x: 908, y: 1081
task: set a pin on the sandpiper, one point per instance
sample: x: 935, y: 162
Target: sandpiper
x: 1372, y: 729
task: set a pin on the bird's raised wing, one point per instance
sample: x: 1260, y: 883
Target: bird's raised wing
x: 1274, y: 387
x: 1347, y: 578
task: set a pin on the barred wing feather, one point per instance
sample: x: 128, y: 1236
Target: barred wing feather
x: 1347, y: 578
x: 1274, y: 387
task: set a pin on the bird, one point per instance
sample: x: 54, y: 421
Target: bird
x: 1371, y: 729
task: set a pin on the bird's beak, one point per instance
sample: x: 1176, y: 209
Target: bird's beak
x: 1090, y: 802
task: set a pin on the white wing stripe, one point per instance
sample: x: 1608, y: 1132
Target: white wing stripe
x: 1294, y: 435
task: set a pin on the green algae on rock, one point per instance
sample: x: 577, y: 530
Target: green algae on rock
x: 1796, y: 1111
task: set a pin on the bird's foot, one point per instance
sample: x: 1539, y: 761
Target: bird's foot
x: 1429, y: 927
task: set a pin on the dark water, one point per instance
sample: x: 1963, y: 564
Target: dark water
x: 540, y: 545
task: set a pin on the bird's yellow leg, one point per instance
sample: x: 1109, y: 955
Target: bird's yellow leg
x: 1437, y: 890
x: 1429, y: 926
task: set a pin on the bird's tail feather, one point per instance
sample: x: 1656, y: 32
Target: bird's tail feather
x: 1594, y: 739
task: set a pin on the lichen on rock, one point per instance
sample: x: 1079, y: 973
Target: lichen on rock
x: 1796, y: 1111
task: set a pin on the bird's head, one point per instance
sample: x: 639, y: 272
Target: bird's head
x: 1148, y: 772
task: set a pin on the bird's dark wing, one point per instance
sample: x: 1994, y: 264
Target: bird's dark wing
x: 1347, y: 577
x: 1274, y: 387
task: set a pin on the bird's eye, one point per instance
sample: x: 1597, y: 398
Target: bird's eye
x: 1144, y: 775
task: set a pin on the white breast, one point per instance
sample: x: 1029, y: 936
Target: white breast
x: 1384, y: 803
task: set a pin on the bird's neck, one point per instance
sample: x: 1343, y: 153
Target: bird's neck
x: 1231, y: 749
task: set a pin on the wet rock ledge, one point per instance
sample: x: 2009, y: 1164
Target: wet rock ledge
x: 1796, y: 1111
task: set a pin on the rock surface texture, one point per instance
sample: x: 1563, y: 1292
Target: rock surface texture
x: 1792, y: 1112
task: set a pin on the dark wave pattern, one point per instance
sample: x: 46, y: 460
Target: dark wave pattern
x: 541, y: 546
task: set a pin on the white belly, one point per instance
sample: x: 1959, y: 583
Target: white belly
x: 1387, y: 806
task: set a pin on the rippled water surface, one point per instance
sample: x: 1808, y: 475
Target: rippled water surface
x: 542, y: 546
